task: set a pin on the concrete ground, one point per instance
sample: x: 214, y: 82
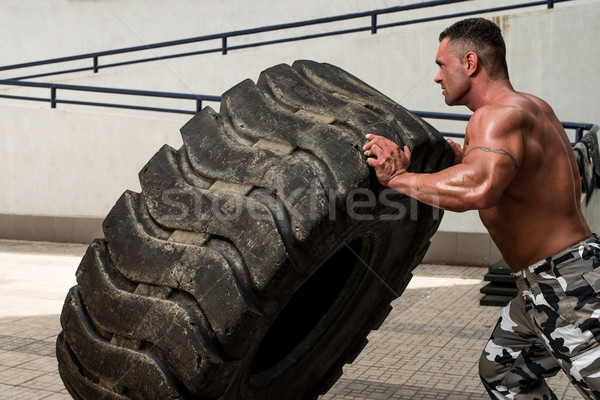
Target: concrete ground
x: 426, y: 349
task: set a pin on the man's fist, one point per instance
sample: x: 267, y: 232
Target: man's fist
x: 386, y: 157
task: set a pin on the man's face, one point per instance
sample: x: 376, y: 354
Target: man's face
x: 452, y: 75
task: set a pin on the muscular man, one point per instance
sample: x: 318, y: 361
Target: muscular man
x: 518, y: 169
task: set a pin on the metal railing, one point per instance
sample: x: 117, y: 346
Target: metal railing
x: 55, y: 87
x: 54, y: 100
x: 224, y: 48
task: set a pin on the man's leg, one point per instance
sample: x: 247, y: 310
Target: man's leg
x: 566, y: 307
x: 515, y: 361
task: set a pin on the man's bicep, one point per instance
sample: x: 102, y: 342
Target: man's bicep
x: 495, y: 146
x: 498, y: 132
x: 495, y: 150
x: 494, y: 169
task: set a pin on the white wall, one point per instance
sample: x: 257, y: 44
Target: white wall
x: 69, y: 163
x: 76, y: 161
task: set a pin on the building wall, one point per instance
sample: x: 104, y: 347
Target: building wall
x: 65, y: 168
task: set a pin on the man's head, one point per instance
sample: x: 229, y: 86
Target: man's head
x: 484, y: 38
x: 469, y: 50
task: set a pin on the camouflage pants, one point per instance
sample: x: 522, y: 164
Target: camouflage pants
x: 552, y: 324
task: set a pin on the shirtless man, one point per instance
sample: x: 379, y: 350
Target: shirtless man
x: 518, y: 169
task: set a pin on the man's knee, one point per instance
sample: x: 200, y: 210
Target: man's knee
x: 487, y: 370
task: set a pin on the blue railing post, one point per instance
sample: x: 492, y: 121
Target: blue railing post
x: 373, y: 24
x: 53, y: 97
x: 550, y: 3
x: 95, y: 64
x: 224, y: 46
x: 198, y: 105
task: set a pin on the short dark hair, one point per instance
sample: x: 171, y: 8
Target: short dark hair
x: 484, y: 38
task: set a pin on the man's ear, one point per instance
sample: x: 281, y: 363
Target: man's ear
x: 471, y: 63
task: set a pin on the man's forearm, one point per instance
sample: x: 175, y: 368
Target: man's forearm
x: 440, y: 190
x: 408, y: 184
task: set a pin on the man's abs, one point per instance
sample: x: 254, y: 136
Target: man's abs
x: 524, y: 238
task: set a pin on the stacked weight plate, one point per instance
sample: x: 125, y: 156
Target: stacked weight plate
x: 502, y: 287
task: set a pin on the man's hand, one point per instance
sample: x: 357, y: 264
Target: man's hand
x: 386, y: 157
x: 458, y: 151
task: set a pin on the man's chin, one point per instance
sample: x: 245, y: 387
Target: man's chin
x: 450, y: 101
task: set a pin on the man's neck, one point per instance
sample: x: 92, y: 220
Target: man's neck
x: 488, y: 92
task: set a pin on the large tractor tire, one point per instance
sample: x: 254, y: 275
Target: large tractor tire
x: 259, y: 255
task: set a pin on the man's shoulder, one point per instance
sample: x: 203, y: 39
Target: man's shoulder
x: 501, y: 117
x: 538, y: 101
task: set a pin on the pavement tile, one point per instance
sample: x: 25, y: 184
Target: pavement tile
x: 48, y: 381
x: 41, y: 363
x: 14, y: 358
x: 18, y: 376
x: 24, y: 393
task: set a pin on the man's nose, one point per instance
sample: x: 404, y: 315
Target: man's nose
x: 437, y: 78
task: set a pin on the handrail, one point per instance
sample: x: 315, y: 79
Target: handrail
x: 54, y: 87
x: 225, y: 48
x: 54, y: 100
